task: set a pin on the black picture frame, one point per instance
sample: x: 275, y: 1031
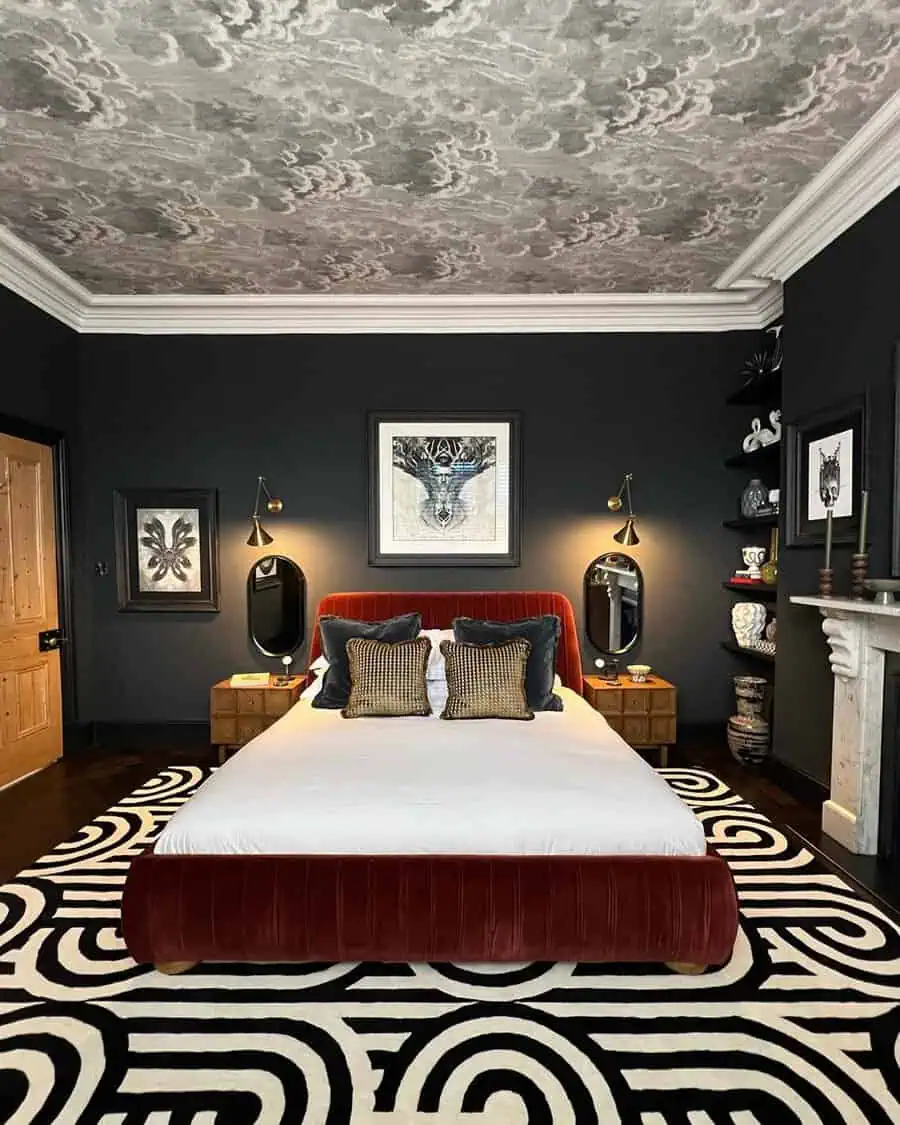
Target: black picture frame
x: 895, y: 478
x: 850, y: 414
x: 132, y: 599
x: 509, y: 558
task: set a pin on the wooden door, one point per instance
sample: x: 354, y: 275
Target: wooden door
x: 30, y: 696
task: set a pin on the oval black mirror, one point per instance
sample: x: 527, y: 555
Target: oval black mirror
x: 614, y: 602
x: 276, y: 595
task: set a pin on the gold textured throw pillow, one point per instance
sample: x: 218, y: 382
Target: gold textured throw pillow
x: 486, y: 681
x: 387, y: 679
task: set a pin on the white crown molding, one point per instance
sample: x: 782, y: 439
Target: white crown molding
x: 27, y: 272
x: 606, y: 312
x: 746, y: 295
x: 865, y: 171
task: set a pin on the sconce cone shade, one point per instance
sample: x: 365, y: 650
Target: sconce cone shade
x: 259, y: 537
x: 626, y: 535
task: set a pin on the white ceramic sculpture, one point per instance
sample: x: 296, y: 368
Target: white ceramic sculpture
x: 760, y: 435
x: 748, y: 619
x: 753, y: 558
x: 769, y: 437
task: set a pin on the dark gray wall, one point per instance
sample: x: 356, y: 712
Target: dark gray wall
x: 842, y: 320
x: 38, y: 380
x: 208, y: 411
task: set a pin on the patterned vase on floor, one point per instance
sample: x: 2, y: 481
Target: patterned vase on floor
x: 748, y: 739
x: 748, y: 730
x: 751, y: 695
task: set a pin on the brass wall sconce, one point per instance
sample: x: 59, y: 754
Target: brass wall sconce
x: 259, y: 537
x: 626, y: 535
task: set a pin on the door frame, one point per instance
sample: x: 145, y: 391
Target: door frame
x: 59, y: 446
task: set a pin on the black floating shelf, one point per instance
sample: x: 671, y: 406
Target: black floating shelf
x: 756, y: 590
x: 742, y: 524
x: 762, y: 393
x: 750, y: 653
x: 760, y: 460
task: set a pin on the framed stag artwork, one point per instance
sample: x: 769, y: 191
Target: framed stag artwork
x: 826, y: 470
x: 444, y: 489
x: 167, y: 550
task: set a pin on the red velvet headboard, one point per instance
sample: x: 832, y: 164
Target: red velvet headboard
x: 438, y: 608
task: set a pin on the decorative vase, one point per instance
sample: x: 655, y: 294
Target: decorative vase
x: 748, y: 619
x: 750, y: 692
x: 769, y: 572
x: 748, y: 739
x: 771, y: 630
x: 752, y: 557
x: 754, y: 497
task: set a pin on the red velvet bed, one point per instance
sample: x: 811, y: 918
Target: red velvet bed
x: 682, y: 910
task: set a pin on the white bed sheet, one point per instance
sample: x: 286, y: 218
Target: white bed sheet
x: 316, y: 783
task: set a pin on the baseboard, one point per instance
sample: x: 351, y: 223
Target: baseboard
x: 151, y: 736
x: 806, y: 789
x: 77, y: 737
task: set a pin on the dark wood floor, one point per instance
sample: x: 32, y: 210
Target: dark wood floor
x: 52, y: 805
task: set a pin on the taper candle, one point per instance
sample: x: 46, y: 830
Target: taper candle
x: 828, y: 526
x: 863, y: 521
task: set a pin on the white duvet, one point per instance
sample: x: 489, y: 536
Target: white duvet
x: 316, y: 783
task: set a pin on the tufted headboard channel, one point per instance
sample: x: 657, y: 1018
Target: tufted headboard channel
x: 438, y: 608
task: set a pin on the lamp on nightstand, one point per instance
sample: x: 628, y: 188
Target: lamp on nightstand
x: 626, y: 535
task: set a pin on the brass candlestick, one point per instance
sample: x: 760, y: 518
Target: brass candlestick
x: 859, y: 568
x: 826, y: 582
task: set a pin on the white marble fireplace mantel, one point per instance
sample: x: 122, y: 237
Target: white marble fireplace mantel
x: 859, y: 634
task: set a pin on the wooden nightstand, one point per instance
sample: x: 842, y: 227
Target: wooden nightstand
x: 645, y: 715
x: 237, y: 714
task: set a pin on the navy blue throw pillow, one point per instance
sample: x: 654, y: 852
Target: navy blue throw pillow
x: 543, y: 635
x: 336, y: 631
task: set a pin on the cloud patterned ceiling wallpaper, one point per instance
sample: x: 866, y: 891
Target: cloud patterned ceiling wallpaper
x: 422, y: 146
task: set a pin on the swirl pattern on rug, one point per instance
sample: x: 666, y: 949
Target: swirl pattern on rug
x: 423, y: 146
x: 801, y: 1026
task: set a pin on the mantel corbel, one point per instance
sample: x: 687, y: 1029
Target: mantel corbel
x: 844, y: 636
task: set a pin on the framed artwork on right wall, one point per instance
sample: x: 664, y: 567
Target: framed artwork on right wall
x: 826, y: 455
x: 895, y: 475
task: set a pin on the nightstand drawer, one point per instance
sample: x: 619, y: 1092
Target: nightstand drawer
x: 223, y: 701
x: 278, y: 703
x: 223, y: 730
x: 606, y: 701
x: 636, y: 729
x: 249, y: 726
x: 662, y: 701
x: 635, y: 701
x: 251, y: 701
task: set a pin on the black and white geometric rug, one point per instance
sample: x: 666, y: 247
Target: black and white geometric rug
x: 800, y: 1028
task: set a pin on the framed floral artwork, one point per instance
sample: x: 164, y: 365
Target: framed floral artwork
x: 167, y: 549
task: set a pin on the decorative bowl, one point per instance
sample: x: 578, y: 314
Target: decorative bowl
x: 638, y: 672
x: 883, y: 589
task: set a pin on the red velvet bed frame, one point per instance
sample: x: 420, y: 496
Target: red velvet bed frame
x: 178, y: 910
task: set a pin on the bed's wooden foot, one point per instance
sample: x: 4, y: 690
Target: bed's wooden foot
x: 173, y: 968
x: 686, y: 968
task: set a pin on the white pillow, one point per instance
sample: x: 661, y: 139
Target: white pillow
x: 436, y: 668
x: 320, y: 664
x: 557, y: 682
